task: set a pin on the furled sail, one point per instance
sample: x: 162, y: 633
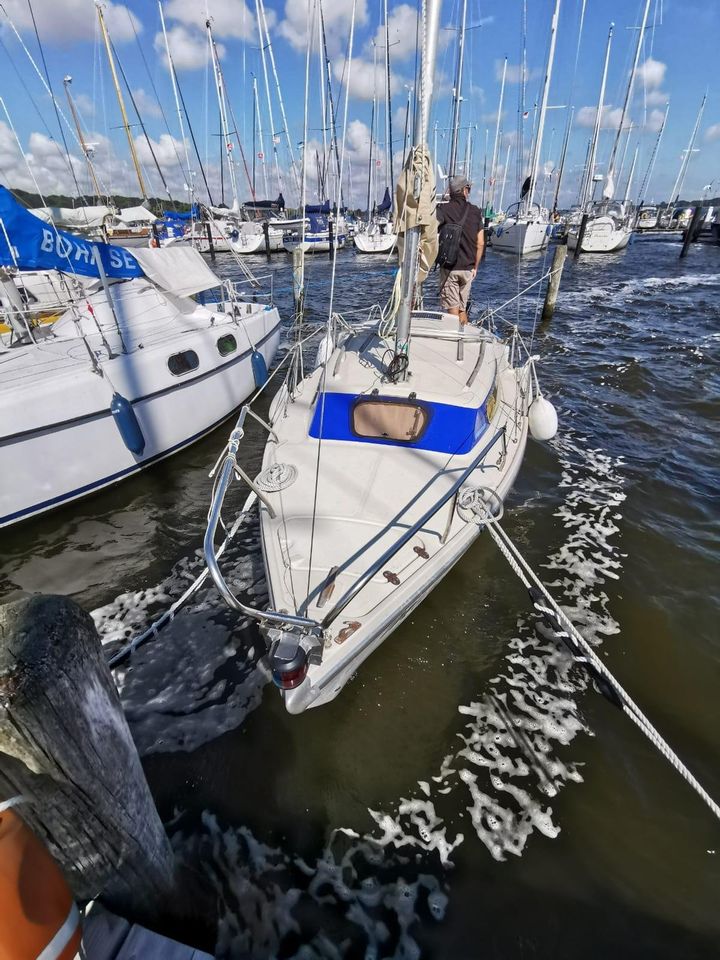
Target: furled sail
x: 418, y: 210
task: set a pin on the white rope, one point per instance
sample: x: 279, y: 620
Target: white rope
x: 12, y: 802
x: 589, y: 658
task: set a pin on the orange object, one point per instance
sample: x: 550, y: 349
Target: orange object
x: 38, y: 916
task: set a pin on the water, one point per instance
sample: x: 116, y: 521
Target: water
x: 468, y: 794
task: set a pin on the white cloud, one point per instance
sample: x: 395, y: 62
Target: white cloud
x: 655, y: 120
x: 189, y: 48
x: 514, y: 72
x: 610, y: 119
x: 167, y: 151
x: 366, y: 78
x: 84, y: 104
x: 656, y: 98
x: 146, y: 104
x: 70, y: 20
x: 229, y: 18
x: 651, y: 73
x: 338, y: 15
x: 402, y: 28
x: 713, y: 132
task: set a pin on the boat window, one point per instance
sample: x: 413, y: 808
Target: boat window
x: 185, y: 362
x: 399, y: 420
x: 227, y: 345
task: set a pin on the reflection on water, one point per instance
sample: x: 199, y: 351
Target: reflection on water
x: 382, y: 824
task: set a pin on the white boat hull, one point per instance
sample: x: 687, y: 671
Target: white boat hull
x: 369, y: 495
x: 521, y: 236
x: 313, y: 243
x: 59, y: 440
x: 602, y: 235
x: 375, y: 242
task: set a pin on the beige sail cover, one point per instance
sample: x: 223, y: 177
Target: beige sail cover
x: 418, y: 211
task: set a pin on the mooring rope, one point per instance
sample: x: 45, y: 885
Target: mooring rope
x: 583, y: 653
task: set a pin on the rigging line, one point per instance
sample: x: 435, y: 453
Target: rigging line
x: 80, y: 193
x: 194, y: 141
x: 142, y: 125
x: 154, y: 88
x: 331, y: 324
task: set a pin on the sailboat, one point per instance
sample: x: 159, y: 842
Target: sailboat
x: 380, y: 237
x: 384, y: 463
x: 608, y: 227
x: 131, y: 371
x: 527, y: 226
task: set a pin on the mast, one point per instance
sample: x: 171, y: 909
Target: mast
x: 505, y: 176
x: 173, y: 77
x: 587, y: 181
x: 331, y: 102
x: 631, y: 175
x: 431, y: 23
x: 286, y: 128
x: 267, y: 94
x: 388, y: 107
x: 83, y: 146
x: 224, y: 128
x: 496, y: 146
x: 537, y: 143
x: 121, y: 102
x: 651, y: 164
x: 457, y: 93
x: 260, y: 153
x: 563, y: 156
x: 609, y: 190
x: 372, y: 135
x: 677, y: 187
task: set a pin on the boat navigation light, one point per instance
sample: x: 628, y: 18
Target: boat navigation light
x: 290, y: 657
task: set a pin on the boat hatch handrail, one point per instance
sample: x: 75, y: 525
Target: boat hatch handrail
x: 374, y: 568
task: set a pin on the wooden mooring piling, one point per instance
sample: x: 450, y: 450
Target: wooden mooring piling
x: 553, y: 285
x: 692, y: 232
x: 66, y: 750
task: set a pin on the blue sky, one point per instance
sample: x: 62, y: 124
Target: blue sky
x: 678, y: 63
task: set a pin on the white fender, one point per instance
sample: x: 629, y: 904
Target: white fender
x: 325, y: 349
x: 542, y: 418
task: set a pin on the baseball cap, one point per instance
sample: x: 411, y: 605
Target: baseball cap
x: 458, y: 184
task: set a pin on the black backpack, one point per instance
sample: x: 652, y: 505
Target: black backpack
x: 449, y: 242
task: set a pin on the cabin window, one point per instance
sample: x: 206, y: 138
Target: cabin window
x: 227, y: 345
x: 400, y: 420
x: 182, y: 363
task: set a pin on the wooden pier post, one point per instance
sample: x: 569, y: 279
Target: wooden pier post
x: 692, y: 231
x: 331, y: 235
x: 554, y: 281
x: 298, y: 289
x: 65, y: 747
x: 266, y: 234
x: 581, y: 235
x: 211, y: 244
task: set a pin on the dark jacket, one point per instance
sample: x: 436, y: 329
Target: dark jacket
x: 452, y: 212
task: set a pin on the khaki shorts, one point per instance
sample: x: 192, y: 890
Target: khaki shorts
x: 455, y: 289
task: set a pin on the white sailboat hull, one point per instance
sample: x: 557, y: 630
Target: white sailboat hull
x: 249, y: 242
x: 521, y: 236
x: 375, y: 242
x: 59, y: 440
x: 602, y: 235
x: 313, y: 243
x: 370, y: 495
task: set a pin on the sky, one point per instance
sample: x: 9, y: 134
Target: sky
x: 677, y: 65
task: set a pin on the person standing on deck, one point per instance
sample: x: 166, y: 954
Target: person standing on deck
x: 455, y: 282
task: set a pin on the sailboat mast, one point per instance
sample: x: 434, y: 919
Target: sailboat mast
x: 83, y: 146
x: 388, y: 106
x: 261, y: 37
x: 651, y: 165
x: 261, y: 152
x: 537, y: 144
x: 409, y: 270
x: 610, y: 179
x: 331, y: 102
x: 286, y: 128
x: 121, y: 103
x: 631, y: 176
x: 224, y: 128
x: 678, y: 185
x: 173, y: 77
x: 563, y: 157
x: 372, y: 135
x: 496, y: 146
x: 457, y: 93
x: 587, y: 183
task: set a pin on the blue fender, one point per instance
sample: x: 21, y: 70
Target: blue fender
x: 127, y: 424
x: 259, y: 369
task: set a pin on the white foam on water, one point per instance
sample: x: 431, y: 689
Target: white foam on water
x: 575, y: 300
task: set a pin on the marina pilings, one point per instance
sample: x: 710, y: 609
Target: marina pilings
x: 553, y: 285
x: 331, y: 235
x: 692, y: 231
x: 298, y: 288
x: 211, y: 244
x: 266, y: 234
x: 67, y: 752
x: 581, y: 236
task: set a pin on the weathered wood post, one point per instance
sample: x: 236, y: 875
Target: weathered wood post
x: 266, y: 234
x: 331, y: 235
x: 581, y: 235
x: 692, y: 231
x: 211, y: 244
x: 66, y: 748
x: 554, y: 281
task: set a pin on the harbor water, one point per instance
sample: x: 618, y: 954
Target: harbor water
x: 469, y: 794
